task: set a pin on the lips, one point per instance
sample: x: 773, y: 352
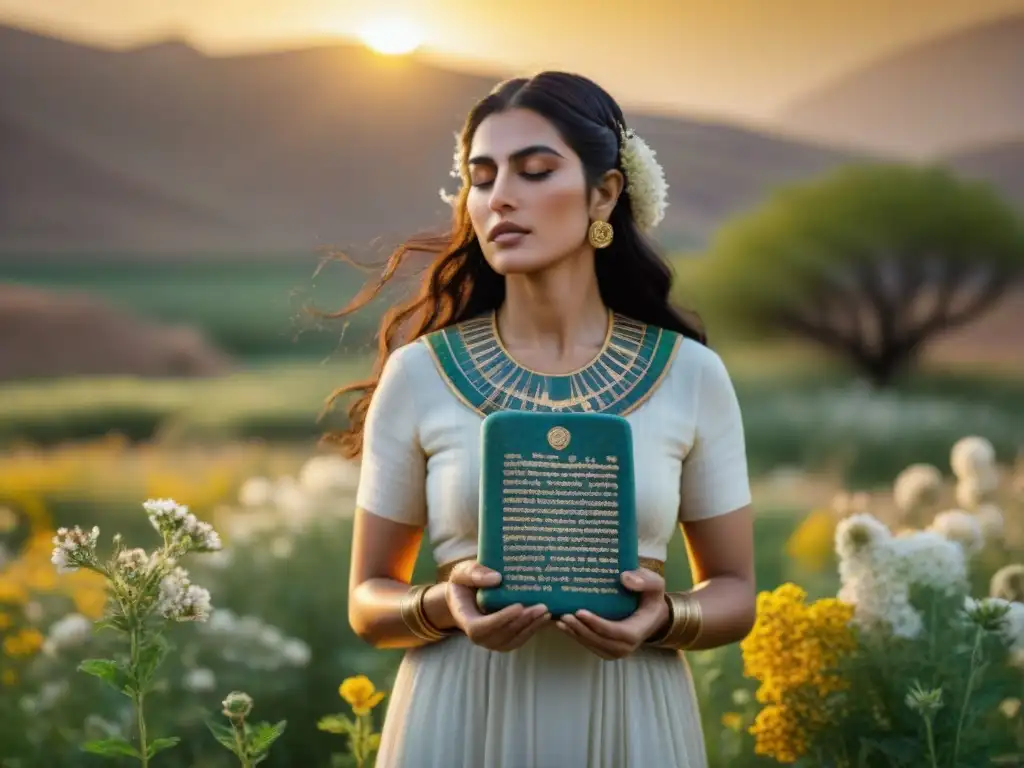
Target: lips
x: 506, y: 231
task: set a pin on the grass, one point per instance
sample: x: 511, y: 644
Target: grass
x: 820, y: 423
x: 252, y: 309
x: 800, y: 409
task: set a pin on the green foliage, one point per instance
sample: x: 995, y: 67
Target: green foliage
x: 849, y: 260
x: 932, y: 700
x: 249, y: 742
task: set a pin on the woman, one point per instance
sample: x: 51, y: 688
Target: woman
x: 546, y: 269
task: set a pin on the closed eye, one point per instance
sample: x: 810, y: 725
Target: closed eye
x: 539, y: 176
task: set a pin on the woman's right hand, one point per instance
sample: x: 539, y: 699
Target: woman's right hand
x: 503, y: 630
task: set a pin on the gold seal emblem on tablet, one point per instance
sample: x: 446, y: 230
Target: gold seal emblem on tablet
x: 558, y: 437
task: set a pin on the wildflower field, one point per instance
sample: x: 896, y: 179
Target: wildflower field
x: 890, y: 565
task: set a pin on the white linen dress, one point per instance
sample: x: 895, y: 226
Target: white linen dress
x: 551, y: 703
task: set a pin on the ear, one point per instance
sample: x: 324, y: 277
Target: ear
x: 606, y: 194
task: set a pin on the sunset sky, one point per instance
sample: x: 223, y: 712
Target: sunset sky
x: 744, y: 58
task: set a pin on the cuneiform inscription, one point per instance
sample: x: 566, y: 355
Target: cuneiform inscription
x: 560, y: 523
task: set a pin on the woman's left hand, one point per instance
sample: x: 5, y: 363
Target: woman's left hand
x: 617, y: 639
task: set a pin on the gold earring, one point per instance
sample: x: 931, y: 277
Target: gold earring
x: 600, y: 234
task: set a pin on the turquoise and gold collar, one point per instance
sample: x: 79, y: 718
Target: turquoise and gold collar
x: 484, y: 376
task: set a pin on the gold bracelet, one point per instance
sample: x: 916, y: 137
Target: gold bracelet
x: 415, y: 617
x: 685, y: 622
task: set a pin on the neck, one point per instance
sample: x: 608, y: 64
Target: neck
x: 558, y: 311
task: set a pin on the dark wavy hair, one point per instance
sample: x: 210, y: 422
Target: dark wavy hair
x: 633, y: 279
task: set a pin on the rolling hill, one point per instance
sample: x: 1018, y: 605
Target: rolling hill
x: 165, y: 149
x: 941, y: 96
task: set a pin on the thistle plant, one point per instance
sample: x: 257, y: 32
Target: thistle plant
x: 250, y: 743
x: 363, y: 740
x: 145, y: 592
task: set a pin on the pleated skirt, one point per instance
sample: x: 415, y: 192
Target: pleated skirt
x: 549, y: 704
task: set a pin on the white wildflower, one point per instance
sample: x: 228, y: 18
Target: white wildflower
x: 74, y: 548
x: 1008, y: 583
x: 295, y: 652
x: 645, y: 181
x: 328, y: 475
x: 256, y: 492
x: 858, y: 536
x: 929, y: 559
x: 961, y: 527
x: 1009, y: 708
x: 870, y: 577
x: 67, y: 632
x: 970, y: 456
x: 200, y: 680
x: 165, y: 515
x: 133, y: 564
x: 48, y: 697
x: 990, y: 518
x: 1013, y: 624
x: 916, y: 486
x: 906, y: 623
x: 975, y: 489
x: 740, y: 697
x: 291, y: 499
x: 175, y: 523
x: 181, y: 600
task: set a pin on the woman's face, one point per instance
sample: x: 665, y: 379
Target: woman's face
x: 528, y: 198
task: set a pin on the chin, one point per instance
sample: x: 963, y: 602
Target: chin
x: 514, y: 261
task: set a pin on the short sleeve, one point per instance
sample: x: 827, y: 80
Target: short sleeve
x: 392, y: 475
x: 714, y: 475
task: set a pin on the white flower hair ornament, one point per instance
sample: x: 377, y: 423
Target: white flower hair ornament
x: 645, y: 179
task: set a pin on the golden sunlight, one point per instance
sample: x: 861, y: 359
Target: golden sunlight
x: 392, y: 36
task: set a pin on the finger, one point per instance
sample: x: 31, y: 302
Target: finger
x: 624, y: 631
x: 596, y: 648
x: 497, y: 628
x: 642, y: 580
x: 596, y: 640
x: 529, y: 631
x: 470, y: 573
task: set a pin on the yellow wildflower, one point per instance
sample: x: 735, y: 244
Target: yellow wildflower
x: 779, y: 734
x: 9, y: 677
x: 732, y: 720
x: 812, y: 544
x: 5, y: 620
x: 11, y: 592
x: 24, y: 643
x: 793, y: 650
x: 793, y: 644
x: 361, y: 694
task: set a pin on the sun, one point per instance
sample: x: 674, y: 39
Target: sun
x: 391, y: 36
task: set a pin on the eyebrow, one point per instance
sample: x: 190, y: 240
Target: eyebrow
x: 519, y: 154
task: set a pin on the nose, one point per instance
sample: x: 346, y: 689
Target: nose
x: 502, y: 191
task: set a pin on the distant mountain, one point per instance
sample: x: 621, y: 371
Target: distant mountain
x: 959, y: 90
x: 1001, y: 164
x: 162, y: 148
